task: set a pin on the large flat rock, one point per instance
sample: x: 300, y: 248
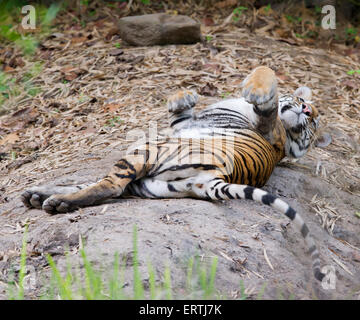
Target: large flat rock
x: 159, y: 29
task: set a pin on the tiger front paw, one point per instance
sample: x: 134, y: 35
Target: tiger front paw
x: 260, y: 86
x: 57, y: 204
x: 181, y: 101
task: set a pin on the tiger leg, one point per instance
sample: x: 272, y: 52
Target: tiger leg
x: 180, y: 107
x: 154, y: 188
x: 260, y: 90
x: 217, y: 189
x: 35, y: 196
x: 113, y: 185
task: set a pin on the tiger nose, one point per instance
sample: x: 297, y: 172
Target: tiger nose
x: 306, y: 109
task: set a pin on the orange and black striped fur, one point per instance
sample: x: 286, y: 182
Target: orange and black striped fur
x: 226, y: 151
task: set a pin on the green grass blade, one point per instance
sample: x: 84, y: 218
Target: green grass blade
x: 211, y: 283
x: 22, y: 271
x: 138, y: 286
x: 64, y: 289
x: 189, y: 274
x: 243, y: 295
x: 152, y: 285
x: 93, y: 281
x: 261, y: 291
x: 167, y: 283
x: 51, y: 13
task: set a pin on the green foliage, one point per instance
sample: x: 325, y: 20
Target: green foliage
x: 243, y: 295
x: 312, y: 34
x: 351, y: 31
x: 224, y: 95
x: 5, y: 82
x: 50, y: 14
x: 138, y: 286
x: 10, y: 87
x: 16, y: 290
x: 352, y: 72
x: 317, y: 9
x: 63, y: 284
x: 267, y: 8
x: 261, y: 291
x: 167, y: 283
x: 10, y: 17
x: 352, y: 34
x: 28, y: 44
x: 293, y: 19
x: 113, y: 121
x: 152, y: 282
x: 238, y: 12
x: 22, y: 271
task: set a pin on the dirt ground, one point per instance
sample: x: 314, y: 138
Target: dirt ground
x: 83, y: 128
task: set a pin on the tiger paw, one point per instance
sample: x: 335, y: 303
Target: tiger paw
x: 260, y: 86
x: 34, y: 197
x: 56, y: 204
x: 181, y: 101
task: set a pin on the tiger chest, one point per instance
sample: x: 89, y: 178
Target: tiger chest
x: 250, y: 162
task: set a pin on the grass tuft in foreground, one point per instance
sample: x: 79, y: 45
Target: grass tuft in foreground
x: 87, y: 283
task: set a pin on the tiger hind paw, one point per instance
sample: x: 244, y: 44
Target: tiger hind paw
x: 56, y: 204
x: 260, y: 87
x: 181, y: 101
x: 34, y: 197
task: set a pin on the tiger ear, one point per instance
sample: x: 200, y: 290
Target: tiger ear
x: 323, y: 140
x: 304, y: 93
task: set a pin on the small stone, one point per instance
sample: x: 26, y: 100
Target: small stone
x: 116, y: 52
x: 355, y: 256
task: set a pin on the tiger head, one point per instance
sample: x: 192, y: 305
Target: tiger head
x: 300, y: 119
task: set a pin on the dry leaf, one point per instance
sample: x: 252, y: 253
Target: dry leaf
x: 116, y: 52
x: 351, y: 84
x: 112, y: 107
x: 226, y: 3
x: 8, y: 69
x: 9, y: 139
x: 213, y: 67
x: 208, y: 21
x: 70, y: 76
x: 77, y: 40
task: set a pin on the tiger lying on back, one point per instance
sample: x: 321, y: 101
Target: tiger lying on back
x: 226, y: 151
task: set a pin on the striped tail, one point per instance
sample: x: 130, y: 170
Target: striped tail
x: 219, y: 190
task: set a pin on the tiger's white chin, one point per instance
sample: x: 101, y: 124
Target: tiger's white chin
x: 292, y: 119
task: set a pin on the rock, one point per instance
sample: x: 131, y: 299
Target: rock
x: 355, y: 256
x: 159, y: 29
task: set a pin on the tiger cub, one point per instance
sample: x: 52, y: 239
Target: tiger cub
x: 226, y: 151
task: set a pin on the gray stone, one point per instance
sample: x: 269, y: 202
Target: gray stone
x: 159, y: 29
